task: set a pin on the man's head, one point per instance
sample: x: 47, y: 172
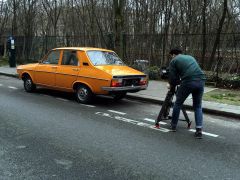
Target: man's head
x: 175, y: 51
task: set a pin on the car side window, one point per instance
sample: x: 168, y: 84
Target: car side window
x: 70, y: 58
x: 52, y: 58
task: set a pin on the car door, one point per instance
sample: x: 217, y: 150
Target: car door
x: 68, y: 70
x: 45, y: 73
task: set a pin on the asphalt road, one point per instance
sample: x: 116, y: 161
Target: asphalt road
x: 47, y: 135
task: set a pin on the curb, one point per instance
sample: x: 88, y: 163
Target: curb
x: 10, y: 75
x: 188, y: 107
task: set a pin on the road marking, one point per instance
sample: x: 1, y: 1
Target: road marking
x: 45, y: 95
x: 205, y: 133
x: 1, y: 85
x: 87, y: 105
x: 61, y: 99
x: 152, y: 120
x: 12, y: 87
x: 131, y: 121
x: 117, y: 112
x: 142, y: 124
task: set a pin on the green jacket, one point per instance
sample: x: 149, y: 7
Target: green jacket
x: 184, y: 68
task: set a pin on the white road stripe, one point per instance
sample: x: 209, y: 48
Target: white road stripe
x: 11, y: 87
x: 61, y: 99
x: 152, y: 120
x: 88, y: 105
x: 131, y: 121
x: 1, y: 85
x: 205, y: 133
x: 45, y: 95
x: 138, y: 123
x: 117, y: 112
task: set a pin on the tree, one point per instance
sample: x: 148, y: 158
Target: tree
x: 219, y: 30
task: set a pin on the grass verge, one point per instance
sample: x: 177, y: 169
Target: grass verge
x: 3, y: 62
x: 225, y: 96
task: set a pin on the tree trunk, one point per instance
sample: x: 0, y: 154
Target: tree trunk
x: 219, y: 30
x: 204, y: 30
x: 118, y: 6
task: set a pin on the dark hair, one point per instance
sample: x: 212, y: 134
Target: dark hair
x: 175, y: 51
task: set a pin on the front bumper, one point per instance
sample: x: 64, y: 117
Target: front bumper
x: 125, y: 88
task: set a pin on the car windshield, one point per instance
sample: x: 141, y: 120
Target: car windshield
x: 104, y: 58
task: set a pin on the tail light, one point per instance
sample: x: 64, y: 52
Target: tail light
x: 116, y: 83
x: 143, y: 81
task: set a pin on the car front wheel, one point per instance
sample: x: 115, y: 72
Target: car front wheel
x: 84, y: 94
x: 29, y: 86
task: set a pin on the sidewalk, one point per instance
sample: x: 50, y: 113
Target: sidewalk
x: 156, y: 93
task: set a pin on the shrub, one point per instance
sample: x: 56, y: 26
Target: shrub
x: 230, y: 81
x: 153, y: 72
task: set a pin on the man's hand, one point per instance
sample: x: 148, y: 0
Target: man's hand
x: 168, y: 86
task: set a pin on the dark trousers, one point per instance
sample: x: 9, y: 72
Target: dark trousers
x: 196, y: 88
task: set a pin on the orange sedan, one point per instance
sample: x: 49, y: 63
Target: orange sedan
x: 85, y: 71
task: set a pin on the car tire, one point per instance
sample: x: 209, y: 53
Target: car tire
x: 118, y: 96
x: 84, y: 94
x: 29, y: 86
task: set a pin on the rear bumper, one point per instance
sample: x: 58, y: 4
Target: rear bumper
x: 125, y: 88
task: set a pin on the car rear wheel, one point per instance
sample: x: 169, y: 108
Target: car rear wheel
x: 118, y: 96
x: 29, y: 86
x: 84, y: 94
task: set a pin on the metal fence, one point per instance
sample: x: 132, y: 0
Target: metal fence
x: 153, y: 48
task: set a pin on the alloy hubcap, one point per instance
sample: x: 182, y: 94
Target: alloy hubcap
x: 28, y: 84
x: 82, y: 94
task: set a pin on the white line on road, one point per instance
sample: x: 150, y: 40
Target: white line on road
x: 205, y: 133
x: 131, y: 121
x: 12, y: 87
x: 117, y: 112
x: 61, y: 99
x: 1, y: 85
x: 152, y: 120
x: 45, y: 95
x: 87, y: 105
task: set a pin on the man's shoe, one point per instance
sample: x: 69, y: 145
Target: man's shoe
x: 198, y: 133
x: 173, y: 128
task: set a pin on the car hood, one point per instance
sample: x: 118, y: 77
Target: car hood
x: 119, y: 70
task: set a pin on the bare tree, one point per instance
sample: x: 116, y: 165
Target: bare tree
x: 118, y: 7
x: 53, y: 9
x: 219, y: 30
x: 204, y: 32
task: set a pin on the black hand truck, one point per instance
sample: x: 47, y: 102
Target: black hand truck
x: 167, y: 104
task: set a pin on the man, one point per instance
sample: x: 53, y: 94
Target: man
x: 185, y: 70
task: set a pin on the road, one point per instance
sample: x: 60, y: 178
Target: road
x: 47, y: 135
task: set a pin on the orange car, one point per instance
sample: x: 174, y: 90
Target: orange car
x: 85, y: 71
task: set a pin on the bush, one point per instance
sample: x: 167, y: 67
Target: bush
x: 3, y: 61
x: 153, y: 72
x: 232, y: 82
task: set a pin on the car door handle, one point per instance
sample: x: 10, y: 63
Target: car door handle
x: 75, y: 69
x: 54, y: 67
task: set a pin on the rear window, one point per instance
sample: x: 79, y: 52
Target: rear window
x: 104, y: 58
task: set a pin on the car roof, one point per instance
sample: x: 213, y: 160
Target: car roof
x: 82, y: 48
